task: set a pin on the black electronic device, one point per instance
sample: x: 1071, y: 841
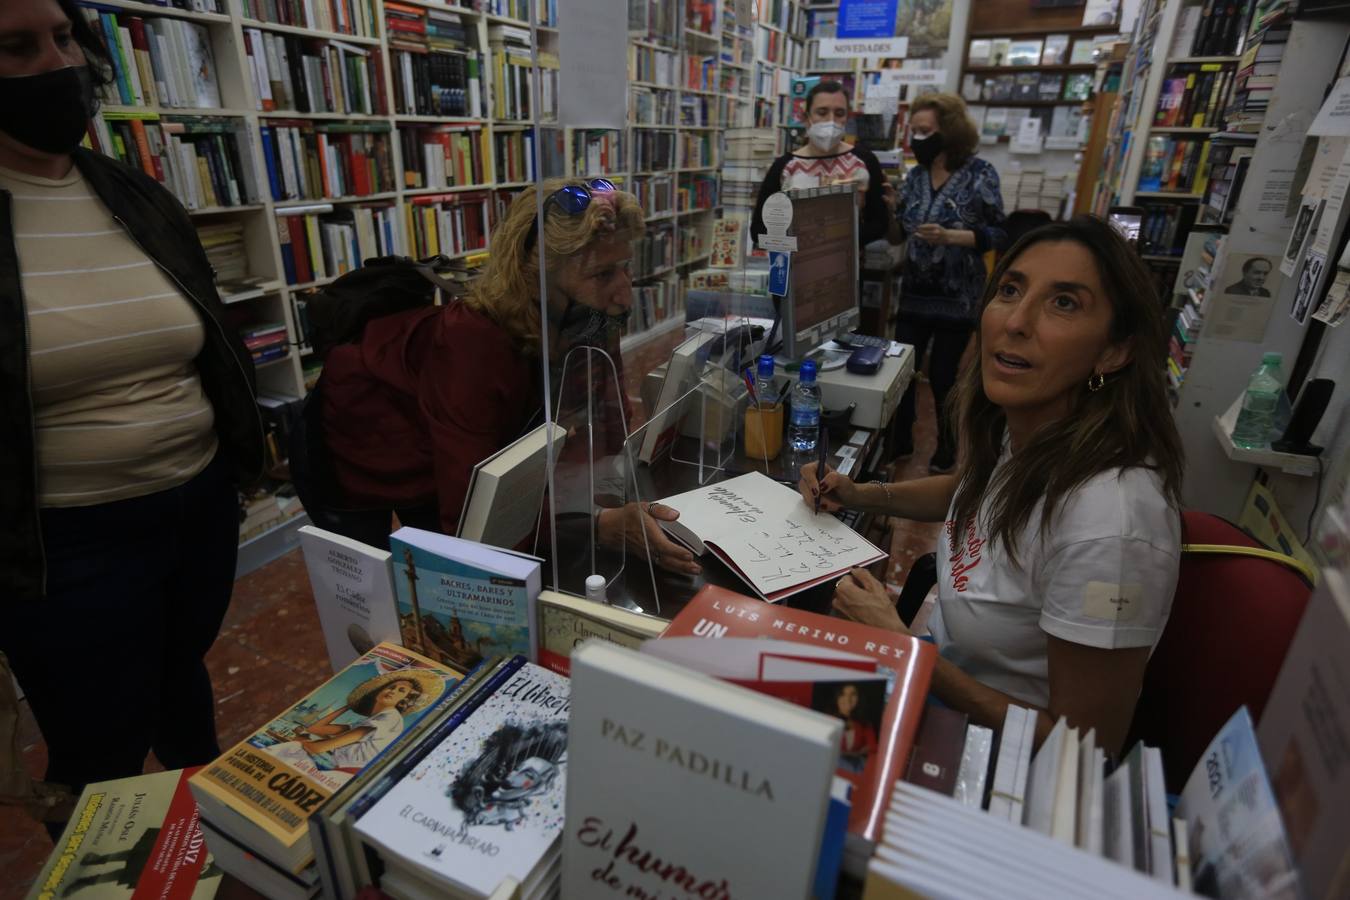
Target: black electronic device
x: 1312, y: 403
x: 855, y: 341
x: 866, y: 360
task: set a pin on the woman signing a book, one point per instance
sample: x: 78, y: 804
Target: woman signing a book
x: 1059, y: 557
x: 425, y: 395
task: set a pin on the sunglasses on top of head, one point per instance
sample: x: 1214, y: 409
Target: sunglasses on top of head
x: 572, y: 199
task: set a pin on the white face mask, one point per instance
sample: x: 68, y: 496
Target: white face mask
x: 825, y: 136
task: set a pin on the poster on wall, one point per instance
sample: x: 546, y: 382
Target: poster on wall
x: 927, y: 24
x: 1309, y: 285
x: 1305, y: 225
x: 866, y: 19
x: 1244, y: 294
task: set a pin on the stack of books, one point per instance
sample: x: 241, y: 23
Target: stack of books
x: 319, y: 242
x: 198, y: 159
x: 749, y: 153
x: 435, y: 61
x: 156, y: 62
x: 256, y: 800
x: 597, y: 152
x: 514, y: 156
x: 1224, y: 834
x: 447, y: 224
x: 263, y: 508
x: 309, y: 76
x: 444, y: 156
x: 224, y: 246
x: 1257, y: 70
x: 266, y: 342
x: 326, y: 160
x: 345, y: 16
x: 478, y: 800
x: 513, y: 89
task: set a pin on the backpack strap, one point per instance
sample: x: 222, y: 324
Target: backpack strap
x: 1297, y: 565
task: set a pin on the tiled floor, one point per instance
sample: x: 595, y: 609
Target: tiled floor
x: 271, y: 651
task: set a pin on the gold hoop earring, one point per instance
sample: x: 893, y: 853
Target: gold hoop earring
x: 1096, y: 382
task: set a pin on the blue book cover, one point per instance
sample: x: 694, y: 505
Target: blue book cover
x: 831, y: 858
x: 270, y: 156
x: 460, y: 601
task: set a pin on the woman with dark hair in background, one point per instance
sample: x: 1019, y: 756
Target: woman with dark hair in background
x: 1063, y: 525
x: 129, y: 413
x: 951, y: 210
x: 825, y: 159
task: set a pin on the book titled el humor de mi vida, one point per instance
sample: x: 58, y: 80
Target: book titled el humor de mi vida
x: 486, y: 804
x: 132, y: 837
x: 682, y: 785
x: 460, y: 602
x: 262, y: 791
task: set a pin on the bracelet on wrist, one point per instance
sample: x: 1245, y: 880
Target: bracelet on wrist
x: 886, y: 488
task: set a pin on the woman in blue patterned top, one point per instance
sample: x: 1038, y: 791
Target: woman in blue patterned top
x: 951, y: 210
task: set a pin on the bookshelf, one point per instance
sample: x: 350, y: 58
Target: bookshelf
x: 1219, y: 363
x: 1174, y: 96
x: 362, y: 127
x: 404, y: 126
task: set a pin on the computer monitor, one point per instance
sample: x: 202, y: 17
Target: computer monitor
x: 822, y: 299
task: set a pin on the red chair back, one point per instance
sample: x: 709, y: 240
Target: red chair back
x: 1231, y: 623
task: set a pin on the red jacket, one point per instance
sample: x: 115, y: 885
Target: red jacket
x: 419, y: 401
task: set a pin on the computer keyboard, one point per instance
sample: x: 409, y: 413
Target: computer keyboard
x: 859, y: 341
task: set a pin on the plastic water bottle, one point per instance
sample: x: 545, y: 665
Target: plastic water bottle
x: 1256, y: 422
x: 764, y: 382
x: 805, y: 427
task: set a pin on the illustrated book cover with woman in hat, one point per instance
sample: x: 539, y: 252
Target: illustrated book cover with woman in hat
x: 285, y: 770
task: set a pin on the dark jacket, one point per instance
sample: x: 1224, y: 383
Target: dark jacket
x: 158, y: 223
x: 422, y: 398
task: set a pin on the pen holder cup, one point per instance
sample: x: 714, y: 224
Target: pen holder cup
x: 763, y: 431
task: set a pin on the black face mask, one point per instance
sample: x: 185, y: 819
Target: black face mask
x: 926, y: 149
x: 48, y: 111
x: 585, y: 326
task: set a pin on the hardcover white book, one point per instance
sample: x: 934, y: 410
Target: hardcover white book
x: 1043, y: 779
x: 1064, y: 814
x: 486, y: 803
x: 354, y: 591
x: 1117, y: 817
x: 1181, y: 854
x: 1005, y: 767
x: 684, y: 785
x: 1023, y: 770
x: 974, y: 772
x: 1160, y: 842
x: 1091, y: 759
x: 1137, y: 769
x: 938, y: 847
x: 501, y: 506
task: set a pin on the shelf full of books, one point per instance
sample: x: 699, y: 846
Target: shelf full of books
x: 325, y: 134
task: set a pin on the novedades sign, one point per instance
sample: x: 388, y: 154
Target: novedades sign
x: 849, y: 48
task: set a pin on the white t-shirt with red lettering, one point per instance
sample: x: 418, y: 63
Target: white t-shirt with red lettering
x: 1102, y: 576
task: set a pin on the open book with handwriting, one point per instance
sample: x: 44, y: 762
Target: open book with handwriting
x: 768, y: 535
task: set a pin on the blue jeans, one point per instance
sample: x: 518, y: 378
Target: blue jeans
x: 112, y: 660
